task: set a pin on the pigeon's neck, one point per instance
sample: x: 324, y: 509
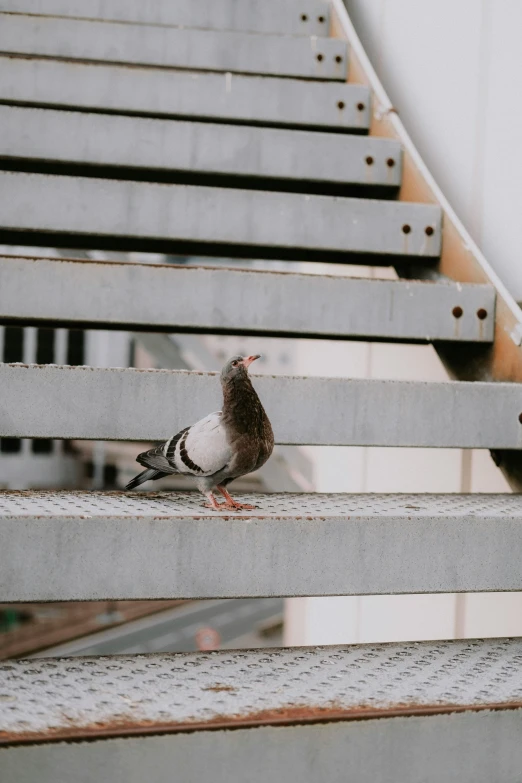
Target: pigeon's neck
x: 242, y: 409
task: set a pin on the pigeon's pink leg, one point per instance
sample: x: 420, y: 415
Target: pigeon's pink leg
x: 231, y: 503
x: 213, y: 502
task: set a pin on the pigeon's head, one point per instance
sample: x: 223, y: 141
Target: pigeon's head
x: 237, y: 367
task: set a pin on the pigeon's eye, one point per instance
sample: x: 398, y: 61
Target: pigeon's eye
x: 234, y: 364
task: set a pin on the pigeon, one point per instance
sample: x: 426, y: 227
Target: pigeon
x: 221, y: 447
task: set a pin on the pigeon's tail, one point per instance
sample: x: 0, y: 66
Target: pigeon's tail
x: 146, y: 475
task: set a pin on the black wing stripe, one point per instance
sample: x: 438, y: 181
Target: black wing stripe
x: 173, y: 443
x: 185, y: 457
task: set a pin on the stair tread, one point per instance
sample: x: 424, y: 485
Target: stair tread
x: 67, y: 698
x: 140, y: 296
x: 116, y: 545
x: 261, y: 100
x: 155, y: 149
x: 369, y: 505
x: 91, y: 403
x: 270, y: 16
x: 171, y: 47
x: 213, y: 221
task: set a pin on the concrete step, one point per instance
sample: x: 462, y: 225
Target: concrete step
x: 171, y: 47
x: 198, y: 153
x: 255, y: 100
x: 431, y: 711
x: 291, y: 17
x: 168, y: 298
x: 186, y: 219
x: 72, y: 546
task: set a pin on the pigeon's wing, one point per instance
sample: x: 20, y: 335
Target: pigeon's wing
x: 200, y: 450
x: 155, y: 458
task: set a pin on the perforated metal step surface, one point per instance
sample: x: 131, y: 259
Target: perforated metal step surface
x: 95, y: 546
x: 286, y: 505
x: 42, y: 700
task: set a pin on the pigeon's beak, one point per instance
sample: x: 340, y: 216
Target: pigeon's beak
x: 247, y: 361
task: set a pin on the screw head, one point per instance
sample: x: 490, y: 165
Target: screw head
x: 319, y: 57
x: 482, y: 313
x: 340, y: 104
x: 304, y: 18
x: 429, y: 231
x: 361, y: 106
x: 338, y: 58
x: 320, y: 19
x: 520, y: 417
x: 390, y: 163
x: 458, y: 311
x: 369, y: 160
x: 406, y: 229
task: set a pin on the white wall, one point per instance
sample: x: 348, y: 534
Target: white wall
x: 453, y: 70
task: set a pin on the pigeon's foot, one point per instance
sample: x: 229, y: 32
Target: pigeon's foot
x: 233, y: 504
x: 213, y: 503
